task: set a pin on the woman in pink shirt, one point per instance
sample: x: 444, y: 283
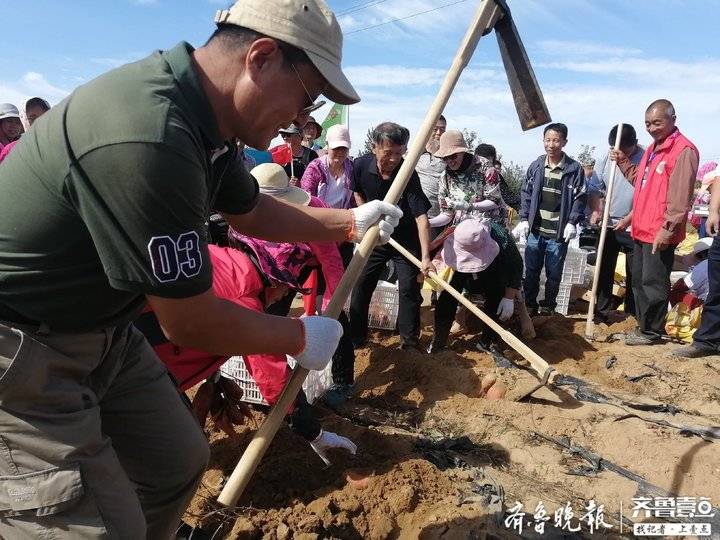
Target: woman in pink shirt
x: 328, y: 178
x: 299, y: 259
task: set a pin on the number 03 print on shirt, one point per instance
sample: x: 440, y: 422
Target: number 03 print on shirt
x: 175, y: 256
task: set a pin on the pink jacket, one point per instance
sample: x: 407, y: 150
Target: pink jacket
x: 293, y: 257
x: 235, y: 278
x: 5, y: 150
x: 315, y: 180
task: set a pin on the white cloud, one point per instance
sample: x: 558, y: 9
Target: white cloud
x: 417, y: 16
x: 109, y: 62
x: 583, y: 49
x: 645, y: 71
x: 31, y: 84
x: 36, y: 84
x: 348, y: 22
x: 611, y: 90
x: 384, y: 75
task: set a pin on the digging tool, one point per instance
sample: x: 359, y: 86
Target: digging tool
x: 590, y: 324
x: 532, y: 112
x: 546, y: 373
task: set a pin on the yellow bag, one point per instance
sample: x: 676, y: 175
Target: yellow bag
x: 445, y: 273
x: 682, y: 322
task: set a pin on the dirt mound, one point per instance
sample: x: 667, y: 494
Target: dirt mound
x: 425, y: 435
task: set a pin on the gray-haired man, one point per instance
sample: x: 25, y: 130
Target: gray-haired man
x: 372, y: 176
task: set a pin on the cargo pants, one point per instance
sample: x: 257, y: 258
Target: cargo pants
x: 95, y: 441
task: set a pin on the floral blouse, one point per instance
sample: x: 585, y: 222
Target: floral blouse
x: 477, y: 182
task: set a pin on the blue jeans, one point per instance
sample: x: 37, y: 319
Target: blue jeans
x: 551, y: 253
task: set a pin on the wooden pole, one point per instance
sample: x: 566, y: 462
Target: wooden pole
x: 254, y: 452
x: 539, y: 365
x: 590, y: 324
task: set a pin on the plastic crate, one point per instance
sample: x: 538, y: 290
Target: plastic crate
x: 315, y: 385
x: 563, y: 297
x: 384, y: 306
x: 574, y: 266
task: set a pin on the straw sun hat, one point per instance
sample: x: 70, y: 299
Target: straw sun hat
x: 274, y: 181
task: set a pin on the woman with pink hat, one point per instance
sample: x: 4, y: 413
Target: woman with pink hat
x: 487, y: 262
x: 706, y: 174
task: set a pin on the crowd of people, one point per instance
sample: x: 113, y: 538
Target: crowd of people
x: 155, y: 234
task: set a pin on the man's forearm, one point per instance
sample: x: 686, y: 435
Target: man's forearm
x: 628, y: 169
x: 222, y: 327
x: 424, y: 235
x: 278, y: 221
x: 715, y: 196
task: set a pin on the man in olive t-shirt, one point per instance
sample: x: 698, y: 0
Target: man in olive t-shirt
x: 103, y: 207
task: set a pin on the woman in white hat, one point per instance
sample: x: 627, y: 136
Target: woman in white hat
x: 299, y: 259
x: 328, y: 177
x: 486, y: 261
x: 469, y: 186
x: 11, y: 127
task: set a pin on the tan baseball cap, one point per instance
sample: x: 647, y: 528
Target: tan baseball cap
x: 309, y: 25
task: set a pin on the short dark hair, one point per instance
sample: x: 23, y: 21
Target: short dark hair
x: 628, y: 136
x: 557, y: 126
x: 37, y: 102
x: 487, y: 151
x: 238, y: 37
x: 441, y: 117
x: 390, y: 131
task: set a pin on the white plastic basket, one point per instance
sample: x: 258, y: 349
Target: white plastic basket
x: 563, y: 297
x: 574, y: 266
x: 315, y: 385
x: 384, y: 305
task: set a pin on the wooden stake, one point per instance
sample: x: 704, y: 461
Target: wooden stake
x: 590, y: 323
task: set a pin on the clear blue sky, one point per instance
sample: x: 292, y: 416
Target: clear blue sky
x: 598, y: 62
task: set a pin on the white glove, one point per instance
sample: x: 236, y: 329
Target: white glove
x: 506, y: 308
x: 521, y: 230
x: 327, y: 440
x: 386, y: 215
x: 570, y: 232
x: 322, y: 336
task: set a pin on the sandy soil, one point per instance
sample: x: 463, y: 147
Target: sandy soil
x: 439, y: 457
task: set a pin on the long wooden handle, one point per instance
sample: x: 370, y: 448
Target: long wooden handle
x: 250, y: 459
x: 539, y: 365
x: 590, y: 323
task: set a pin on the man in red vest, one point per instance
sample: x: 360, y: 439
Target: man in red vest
x: 664, y: 182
